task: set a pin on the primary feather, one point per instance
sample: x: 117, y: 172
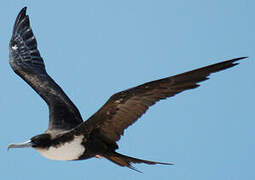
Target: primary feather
x: 26, y: 61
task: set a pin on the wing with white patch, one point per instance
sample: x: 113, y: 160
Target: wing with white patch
x: 26, y: 61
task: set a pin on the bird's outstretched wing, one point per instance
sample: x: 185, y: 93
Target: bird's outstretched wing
x: 26, y: 61
x: 124, y: 108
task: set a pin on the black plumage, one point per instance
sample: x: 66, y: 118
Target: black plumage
x: 26, y: 61
x: 103, y: 129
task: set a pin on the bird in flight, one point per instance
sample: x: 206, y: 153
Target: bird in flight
x: 68, y: 137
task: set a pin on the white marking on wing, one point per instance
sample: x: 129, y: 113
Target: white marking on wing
x: 15, y: 47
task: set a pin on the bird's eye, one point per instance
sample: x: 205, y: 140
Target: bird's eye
x: 34, y: 142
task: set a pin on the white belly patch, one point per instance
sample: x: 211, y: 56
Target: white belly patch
x: 69, y: 151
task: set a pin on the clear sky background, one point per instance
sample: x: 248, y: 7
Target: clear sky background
x: 94, y: 49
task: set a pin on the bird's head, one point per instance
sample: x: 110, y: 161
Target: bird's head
x: 38, y: 141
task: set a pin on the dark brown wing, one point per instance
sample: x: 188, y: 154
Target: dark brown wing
x: 125, y: 107
x: 26, y: 61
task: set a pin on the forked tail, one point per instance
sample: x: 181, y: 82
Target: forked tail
x: 126, y: 161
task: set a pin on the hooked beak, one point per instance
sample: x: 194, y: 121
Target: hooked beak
x: 21, y: 145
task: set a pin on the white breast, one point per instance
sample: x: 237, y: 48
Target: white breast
x: 68, y: 151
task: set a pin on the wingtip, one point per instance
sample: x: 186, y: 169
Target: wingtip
x: 240, y: 58
x: 234, y: 61
x: 24, y: 9
x: 171, y: 164
x: 21, y: 16
x: 22, y: 13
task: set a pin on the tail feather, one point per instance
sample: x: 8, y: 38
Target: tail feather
x: 126, y: 161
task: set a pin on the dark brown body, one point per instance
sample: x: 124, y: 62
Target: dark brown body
x: 103, y: 129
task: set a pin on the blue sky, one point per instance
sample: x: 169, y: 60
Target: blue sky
x: 94, y: 49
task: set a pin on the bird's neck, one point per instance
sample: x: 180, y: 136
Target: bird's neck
x: 70, y: 150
